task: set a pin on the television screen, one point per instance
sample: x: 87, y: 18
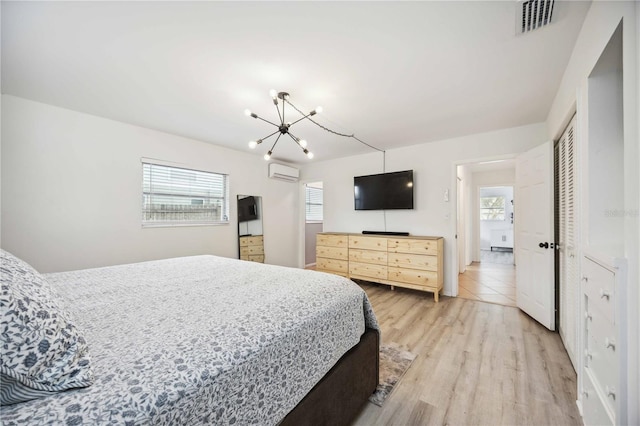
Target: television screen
x: 247, y: 209
x: 385, y: 191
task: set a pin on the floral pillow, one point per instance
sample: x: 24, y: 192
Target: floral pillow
x: 42, y: 351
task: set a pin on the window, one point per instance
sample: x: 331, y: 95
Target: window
x: 313, y: 203
x: 173, y: 196
x: 491, y: 208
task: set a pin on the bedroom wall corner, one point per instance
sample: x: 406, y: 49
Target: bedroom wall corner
x: 71, y: 192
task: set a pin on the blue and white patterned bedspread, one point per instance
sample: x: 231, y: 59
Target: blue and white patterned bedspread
x: 201, y: 340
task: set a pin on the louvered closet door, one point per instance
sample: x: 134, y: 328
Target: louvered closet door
x: 568, y: 260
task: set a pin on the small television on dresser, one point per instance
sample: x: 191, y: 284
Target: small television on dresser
x: 384, y: 191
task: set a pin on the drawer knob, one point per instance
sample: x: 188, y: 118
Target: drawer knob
x: 611, y: 392
x: 585, y: 278
x: 585, y: 394
x: 604, y: 293
x: 588, y: 316
x: 610, y: 343
x: 588, y: 354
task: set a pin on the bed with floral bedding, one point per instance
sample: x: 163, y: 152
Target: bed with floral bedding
x: 192, y: 340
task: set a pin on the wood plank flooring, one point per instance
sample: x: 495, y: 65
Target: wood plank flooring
x: 477, y: 364
x: 489, y: 282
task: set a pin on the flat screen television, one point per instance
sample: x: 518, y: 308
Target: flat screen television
x: 247, y: 209
x: 384, y: 191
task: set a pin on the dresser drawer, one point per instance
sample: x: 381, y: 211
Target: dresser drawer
x: 414, y: 276
x: 251, y: 241
x: 368, y: 256
x: 598, y: 325
x: 249, y: 250
x: 256, y: 258
x: 413, y: 261
x: 332, y: 240
x: 367, y: 243
x: 407, y: 245
x: 324, y: 264
x: 594, y: 411
x: 599, y: 285
x: 602, y: 363
x: 332, y: 252
x: 368, y: 270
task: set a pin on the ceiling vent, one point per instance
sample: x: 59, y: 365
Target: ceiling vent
x: 534, y: 14
x: 282, y: 172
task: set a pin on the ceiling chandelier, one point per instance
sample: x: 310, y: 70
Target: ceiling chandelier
x: 283, y: 127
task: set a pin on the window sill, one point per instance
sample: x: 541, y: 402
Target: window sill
x: 181, y: 225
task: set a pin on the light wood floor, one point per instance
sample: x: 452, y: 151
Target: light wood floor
x: 477, y: 364
x: 489, y: 282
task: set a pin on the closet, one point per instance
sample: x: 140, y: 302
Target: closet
x: 602, y: 367
x: 567, y: 259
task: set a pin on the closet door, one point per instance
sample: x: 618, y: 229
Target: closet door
x: 568, y: 260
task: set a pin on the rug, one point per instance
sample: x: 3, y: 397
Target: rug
x: 394, y: 362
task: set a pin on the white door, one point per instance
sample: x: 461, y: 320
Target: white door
x: 535, y: 285
x: 569, y: 281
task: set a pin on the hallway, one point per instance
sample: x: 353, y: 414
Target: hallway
x: 489, y: 282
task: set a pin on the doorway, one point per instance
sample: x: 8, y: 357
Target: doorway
x: 486, y: 216
x: 314, y: 219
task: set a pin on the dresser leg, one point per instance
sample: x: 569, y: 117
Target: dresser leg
x: 435, y: 295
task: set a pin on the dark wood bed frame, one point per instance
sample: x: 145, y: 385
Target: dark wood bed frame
x: 341, y: 393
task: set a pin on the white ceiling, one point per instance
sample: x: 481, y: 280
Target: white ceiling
x: 393, y: 73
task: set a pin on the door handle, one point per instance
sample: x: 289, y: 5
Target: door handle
x: 544, y: 245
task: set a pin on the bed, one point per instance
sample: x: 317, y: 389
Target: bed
x: 210, y: 340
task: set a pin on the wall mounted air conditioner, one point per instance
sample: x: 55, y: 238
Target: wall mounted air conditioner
x: 282, y: 172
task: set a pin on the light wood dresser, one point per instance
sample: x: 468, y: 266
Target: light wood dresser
x: 411, y: 262
x: 252, y: 248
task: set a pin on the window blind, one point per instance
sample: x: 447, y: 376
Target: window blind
x: 313, y: 204
x: 179, y: 196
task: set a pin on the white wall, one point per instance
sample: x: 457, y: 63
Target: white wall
x: 434, y: 172
x: 71, y: 192
x: 600, y: 23
x: 310, y: 231
x: 478, y: 180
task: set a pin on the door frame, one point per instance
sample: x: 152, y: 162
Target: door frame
x: 478, y: 221
x: 302, y: 222
x: 455, y: 267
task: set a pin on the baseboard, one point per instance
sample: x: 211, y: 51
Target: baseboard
x: 309, y: 265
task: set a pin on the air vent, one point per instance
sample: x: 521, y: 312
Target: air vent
x: 534, y: 14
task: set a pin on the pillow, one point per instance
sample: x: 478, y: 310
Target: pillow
x: 42, y: 350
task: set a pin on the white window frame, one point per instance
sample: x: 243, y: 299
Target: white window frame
x: 148, y: 164
x: 504, y: 208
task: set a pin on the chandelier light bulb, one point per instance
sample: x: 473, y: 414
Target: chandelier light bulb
x: 282, y: 128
